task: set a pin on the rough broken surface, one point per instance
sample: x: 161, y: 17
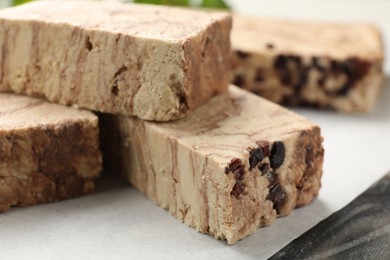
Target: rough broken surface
x: 47, y: 152
x: 153, y: 62
x: 324, y: 65
x: 212, y: 170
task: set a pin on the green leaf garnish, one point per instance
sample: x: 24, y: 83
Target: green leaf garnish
x: 20, y: 2
x: 164, y: 2
x: 214, y: 4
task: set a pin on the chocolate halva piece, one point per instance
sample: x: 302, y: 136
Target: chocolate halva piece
x: 230, y: 167
x: 47, y: 152
x: 324, y: 65
x: 153, y: 62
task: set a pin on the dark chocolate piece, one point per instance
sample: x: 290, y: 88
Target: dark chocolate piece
x: 238, y: 189
x: 264, y: 145
x: 270, y: 46
x: 281, y: 66
x: 237, y: 168
x: 343, y: 91
x: 315, y: 61
x: 239, y: 173
x: 303, y: 77
x: 256, y: 156
x: 259, y: 76
x: 272, y: 178
x: 353, y: 68
x: 291, y: 71
x: 239, y: 81
x: 277, y: 196
x: 321, y: 81
x: 264, y: 168
x: 277, y: 154
x: 234, y: 164
x: 242, y: 54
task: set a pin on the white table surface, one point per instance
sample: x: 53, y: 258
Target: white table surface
x: 118, y: 222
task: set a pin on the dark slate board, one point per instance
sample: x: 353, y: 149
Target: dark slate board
x: 360, y: 230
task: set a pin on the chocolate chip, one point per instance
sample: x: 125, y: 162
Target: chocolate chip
x: 281, y: 62
x: 234, y: 164
x: 277, y: 196
x: 264, y: 168
x: 239, y: 173
x: 343, y: 91
x: 270, y: 46
x: 360, y: 67
x: 277, y: 154
x: 239, y: 81
x: 303, y: 77
x: 297, y: 60
x: 353, y: 68
x: 238, y: 189
x: 336, y: 67
x: 281, y: 66
x: 264, y: 145
x: 321, y: 81
x: 237, y: 168
x: 291, y: 71
x: 242, y: 54
x: 256, y: 156
x: 272, y: 178
x: 315, y: 61
x: 259, y: 76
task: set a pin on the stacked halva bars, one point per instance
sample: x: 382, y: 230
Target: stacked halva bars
x: 318, y: 64
x: 230, y: 167
x: 151, y: 62
x: 232, y: 164
x: 47, y: 152
x: 101, y: 56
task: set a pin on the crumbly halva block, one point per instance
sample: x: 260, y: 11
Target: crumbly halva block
x: 47, y: 152
x: 324, y: 65
x: 232, y: 166
x: 153, y: 62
